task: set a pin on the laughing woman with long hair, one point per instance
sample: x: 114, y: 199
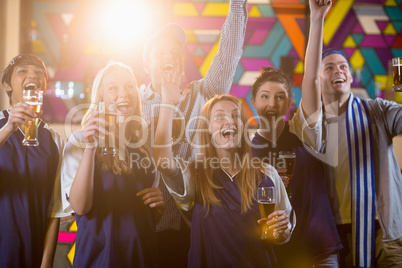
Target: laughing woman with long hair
x: 220, y: 185
x: 113, y: 201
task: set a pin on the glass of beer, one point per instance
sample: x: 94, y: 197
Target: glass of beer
x: 266, y: 201
x: 33, y: 96
x: 397, y: 74
x: 108, y: 145
x: 289, y: 159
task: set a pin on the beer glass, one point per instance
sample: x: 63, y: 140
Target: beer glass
x: 108, y: 145
x: 266, y: 202
x: 33, y: 96
x: 289, y: 159
x: 397, y: 74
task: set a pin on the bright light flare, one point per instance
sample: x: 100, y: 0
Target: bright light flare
x: 124, y: 23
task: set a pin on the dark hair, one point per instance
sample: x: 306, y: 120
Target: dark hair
x: 23, y: 59
x: 269, y: 74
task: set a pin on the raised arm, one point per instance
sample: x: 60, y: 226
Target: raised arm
x: 163, y: 155
x: 171, y: 97
x: 81, y: 193
x: 219, y: 77
x: 311, y: 91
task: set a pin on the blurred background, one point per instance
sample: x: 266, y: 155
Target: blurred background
x: 77, y: 38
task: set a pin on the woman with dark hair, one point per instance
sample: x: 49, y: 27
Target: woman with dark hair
x: 220, y: 185
x: 113, y: 197
x: 315, y: 241
x: 30, y: 205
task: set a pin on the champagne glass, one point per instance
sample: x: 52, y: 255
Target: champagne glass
x: 266, y: 201
x: 289, y: 159
x: 33, y: 96
x: 109, y: 112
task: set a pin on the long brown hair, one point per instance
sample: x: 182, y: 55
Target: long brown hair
x: 133, y: 128
x: 202, y: 170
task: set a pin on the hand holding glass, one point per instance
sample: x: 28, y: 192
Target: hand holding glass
x: 34, y: 97
x: 266, y: 201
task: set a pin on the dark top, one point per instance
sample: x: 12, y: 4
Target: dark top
x: 225, y: 237
x: 315, y: 236
x: 119, y: 230
x: 27, y: 176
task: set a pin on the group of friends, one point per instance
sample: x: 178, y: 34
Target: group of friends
x: 346, y: 191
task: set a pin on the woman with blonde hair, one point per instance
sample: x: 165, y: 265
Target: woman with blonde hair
x: 113, y: 199
x: 220, y: 185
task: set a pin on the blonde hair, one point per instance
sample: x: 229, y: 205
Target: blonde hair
x: 133, y: 128
x: 250, y: 175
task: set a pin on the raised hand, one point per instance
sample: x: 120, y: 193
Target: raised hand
x: 94, y: 130
x: 172, y: 93
x: 319, y: 7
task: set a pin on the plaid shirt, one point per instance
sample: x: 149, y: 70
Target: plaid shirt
x: 217, y: 81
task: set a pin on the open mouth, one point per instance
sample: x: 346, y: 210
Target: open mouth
x: 168, y: 67
x: 31, y: 86
x: 123, y: 107
x: 338, y: 81
x: 270, y: 114
x: 229, y: 133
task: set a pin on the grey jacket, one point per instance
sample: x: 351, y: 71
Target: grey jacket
x: 386, y: 123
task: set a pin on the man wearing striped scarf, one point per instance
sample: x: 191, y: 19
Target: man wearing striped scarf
x: 354, y: 137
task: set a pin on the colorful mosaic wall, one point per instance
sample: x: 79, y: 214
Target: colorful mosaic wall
x: 368, y: 31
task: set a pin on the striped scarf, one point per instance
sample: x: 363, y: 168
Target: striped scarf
x: 361, y: 164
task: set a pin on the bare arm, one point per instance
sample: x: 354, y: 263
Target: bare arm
x: 311, y: 91
x: 171, y: 96
x: 81, y: 193
x: 50, y: 243
x: 163, y: 154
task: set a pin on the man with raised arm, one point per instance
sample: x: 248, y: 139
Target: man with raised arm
x: 163, y: 53
x: 355, y: 138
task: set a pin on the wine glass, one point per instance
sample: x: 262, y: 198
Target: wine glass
x: 267, y: 202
